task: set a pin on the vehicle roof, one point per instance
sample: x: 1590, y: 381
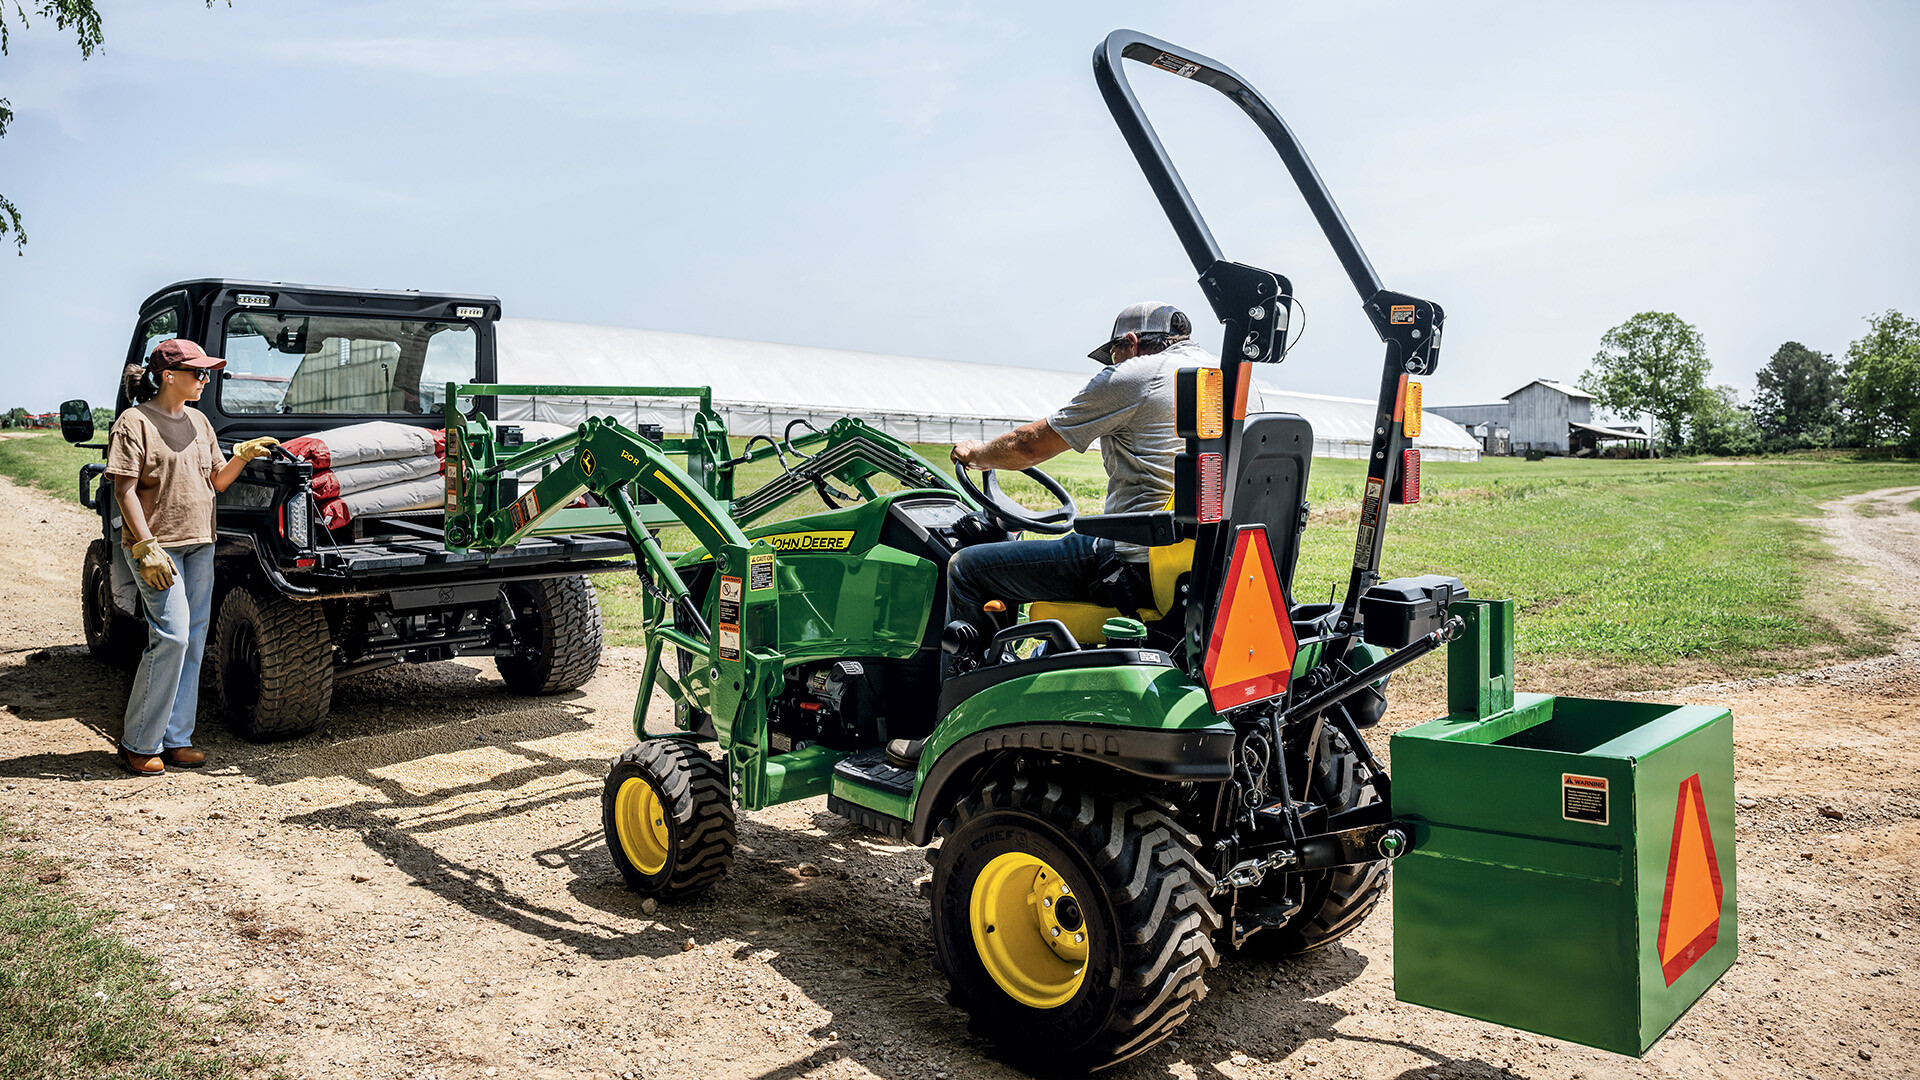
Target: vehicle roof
x: 198, y: 288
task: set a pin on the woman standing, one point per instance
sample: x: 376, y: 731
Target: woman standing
x: 166, y: 466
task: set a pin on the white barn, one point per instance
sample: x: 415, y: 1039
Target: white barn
x: 761, y: 387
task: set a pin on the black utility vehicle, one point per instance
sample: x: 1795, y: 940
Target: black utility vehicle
x: 296, y: 604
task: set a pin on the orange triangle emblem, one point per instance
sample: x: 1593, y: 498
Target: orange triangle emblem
x: 1250, y: 653
x: 1690, y: 911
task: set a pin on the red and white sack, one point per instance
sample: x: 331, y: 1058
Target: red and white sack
x: 423, y: 494
x: 376, y: 440
x: 351, y: 479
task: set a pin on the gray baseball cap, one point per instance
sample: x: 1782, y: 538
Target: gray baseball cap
x: 1145, y: 317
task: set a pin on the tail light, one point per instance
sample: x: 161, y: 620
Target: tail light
x: 296, y: 520
x: 1406, y: 489
x: 1412, y: 422
x: 1212, y: 469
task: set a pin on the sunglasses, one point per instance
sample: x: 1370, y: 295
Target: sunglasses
x: 199, y: 374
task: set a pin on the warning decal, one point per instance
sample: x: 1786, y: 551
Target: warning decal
x: 1690, y: 910
x: 1369, y: 521
x: 729, y: 617
x: 525, y: 510
x: 1583, y: 798
x: 1400, y: 315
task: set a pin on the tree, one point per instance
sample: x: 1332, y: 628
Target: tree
x: 1798, y: 403
x: 17, y: 417
x: 78, y: 15
x: 1882, y: 394
x: 1653, y: 363
x: 1721, y: 425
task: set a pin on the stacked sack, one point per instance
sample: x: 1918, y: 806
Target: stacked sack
x: 374, y: 468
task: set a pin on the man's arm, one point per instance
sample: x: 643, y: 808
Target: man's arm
x: 1022, y: 448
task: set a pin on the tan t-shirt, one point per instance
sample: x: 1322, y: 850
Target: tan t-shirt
x: 174, y: 459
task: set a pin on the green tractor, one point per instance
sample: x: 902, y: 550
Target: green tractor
x: 1117, y: 799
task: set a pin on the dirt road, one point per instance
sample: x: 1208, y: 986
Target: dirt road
x: 422, y: 890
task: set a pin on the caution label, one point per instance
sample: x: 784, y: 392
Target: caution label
x: 760, y: 571
x: 729, y: 643
x: 1583, y: 798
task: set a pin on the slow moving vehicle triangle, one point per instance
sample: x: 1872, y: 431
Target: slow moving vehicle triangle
x: 1250, y: 656
x: 1690, y: 910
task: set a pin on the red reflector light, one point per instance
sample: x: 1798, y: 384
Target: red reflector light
x: 1212, y: 468
x: 304, y: 562
x: 1409, y: 477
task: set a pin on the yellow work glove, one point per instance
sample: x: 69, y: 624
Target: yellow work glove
x: 153, y: 563
x: 253, y: 448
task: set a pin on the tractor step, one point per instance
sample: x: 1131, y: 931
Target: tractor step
x: 870, y: 768
x: 869, y: 777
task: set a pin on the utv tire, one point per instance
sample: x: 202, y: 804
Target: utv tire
x: 1074, y: 927
x: 557, y: 623
x: 1336, y: 901
x: 273, y: 665
x: 113, y: 637
x: 668, y: 818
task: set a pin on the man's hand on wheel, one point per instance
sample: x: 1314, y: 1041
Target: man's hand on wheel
x: 154, y: 564
x: 965, y: 448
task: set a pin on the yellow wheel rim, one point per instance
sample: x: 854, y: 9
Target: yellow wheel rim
x: 641, y: 822
x: 1029, y: 930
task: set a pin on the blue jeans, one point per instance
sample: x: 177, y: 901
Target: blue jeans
x: 1017, y: 571
x: 166, y: 688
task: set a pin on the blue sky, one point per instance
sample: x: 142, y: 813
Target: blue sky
x: 943, y: 180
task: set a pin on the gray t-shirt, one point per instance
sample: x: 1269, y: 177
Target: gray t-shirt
x: 1128, y: 407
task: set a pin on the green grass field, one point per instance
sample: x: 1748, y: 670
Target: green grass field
x: 1664, y: 567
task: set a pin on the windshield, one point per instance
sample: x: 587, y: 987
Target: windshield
x: 341, y: 364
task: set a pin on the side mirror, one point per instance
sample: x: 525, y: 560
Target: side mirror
x: 76, y: 420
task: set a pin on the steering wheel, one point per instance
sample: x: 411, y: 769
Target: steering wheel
x: 1012, y: 516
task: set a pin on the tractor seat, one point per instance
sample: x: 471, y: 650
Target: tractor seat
x: 1165, y: 565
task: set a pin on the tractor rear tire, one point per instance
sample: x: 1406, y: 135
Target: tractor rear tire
x: 113, y: 637
x: 557, y: 624
x: 1027, y: 867
x: 668, y: 818
x: 273, y: 665
x: 1336, y: 901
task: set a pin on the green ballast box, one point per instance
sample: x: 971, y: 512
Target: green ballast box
x: 1572, y: 865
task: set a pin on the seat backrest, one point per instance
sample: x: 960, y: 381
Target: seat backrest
x: 1274, y: 454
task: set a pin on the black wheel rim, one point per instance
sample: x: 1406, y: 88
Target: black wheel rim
x: 99, y: 606
x: 243, y: 669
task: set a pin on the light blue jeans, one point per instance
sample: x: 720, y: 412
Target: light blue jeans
x: 166, y: 688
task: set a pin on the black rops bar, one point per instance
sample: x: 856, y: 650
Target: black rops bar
x: 1252, y: 302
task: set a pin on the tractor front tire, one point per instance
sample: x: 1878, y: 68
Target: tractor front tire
x: 557, y: 630
x: 1074, y: 927
x: 669, y: 818
x: 1337, y: 901
x: 273, y: 665
x: 113, y: 637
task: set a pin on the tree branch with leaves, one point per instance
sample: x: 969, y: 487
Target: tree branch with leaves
x: 1654, y: 363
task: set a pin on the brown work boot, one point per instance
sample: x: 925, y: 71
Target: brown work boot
x: 141, y: 764
x: 185, y: 757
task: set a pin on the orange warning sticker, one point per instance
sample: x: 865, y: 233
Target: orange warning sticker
x: 1690, y: 910
x: 1400, y: 315
x: 1250, y: 654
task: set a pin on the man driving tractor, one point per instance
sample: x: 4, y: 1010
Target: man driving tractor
x: 1129, y: 408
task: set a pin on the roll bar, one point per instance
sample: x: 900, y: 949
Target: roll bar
x: 1251, y: 301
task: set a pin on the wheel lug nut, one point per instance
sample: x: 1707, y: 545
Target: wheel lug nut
x: 1056, y: 931
x: 1079, y: 937
x: 1046, y: 901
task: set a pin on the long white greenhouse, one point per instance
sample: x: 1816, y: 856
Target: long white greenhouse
x: 760, y: 388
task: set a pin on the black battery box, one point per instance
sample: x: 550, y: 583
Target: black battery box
x: 1399, y: 612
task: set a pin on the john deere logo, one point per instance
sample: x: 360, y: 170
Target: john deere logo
x: 586, y: 462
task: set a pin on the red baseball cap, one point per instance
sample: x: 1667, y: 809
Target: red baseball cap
x: 181, y: 353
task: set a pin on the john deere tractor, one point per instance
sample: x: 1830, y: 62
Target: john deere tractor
x: 1114, y: 799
